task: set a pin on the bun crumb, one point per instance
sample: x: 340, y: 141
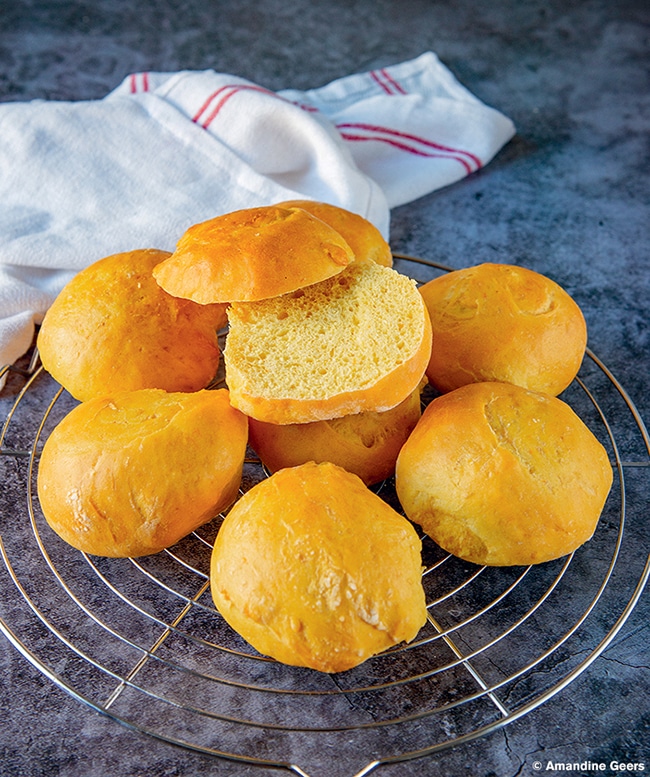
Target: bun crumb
x: 359, y: 341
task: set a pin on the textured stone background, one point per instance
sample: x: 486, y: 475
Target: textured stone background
x: 568, y: 197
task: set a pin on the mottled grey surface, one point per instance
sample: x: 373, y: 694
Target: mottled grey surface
x: 567, y: 197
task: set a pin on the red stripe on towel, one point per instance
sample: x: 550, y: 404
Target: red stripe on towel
x: 375, y: 77
x: 302, y: 106
x: 398, y: 87
x: 384, y: 79
x: 233, y: 90
x: 468, y: 157
x: 133, y: 82
x: 408, y: 149
x: 206, y: 104
x: 237, y: 88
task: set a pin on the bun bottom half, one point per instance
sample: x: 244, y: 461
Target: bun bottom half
x: 366, y: 444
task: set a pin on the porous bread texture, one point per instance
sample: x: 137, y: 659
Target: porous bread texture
x: 500, y: 322
x: 500, y: 475
x: 315, y: 570
x: 253, y: 254
x: 359, y: 341
x: 133, y: 473
x: 366, y: 444
x: 363, y: 237
x: 112, y: 328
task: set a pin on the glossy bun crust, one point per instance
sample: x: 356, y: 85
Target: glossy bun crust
x: 505, y: 323
x: 361, y: 235
x: 253, y: 254
x: 131, y: 474
x: 500, y: 475
x: 112, y: 328
x: 366, y: 444
x: 315, y: 570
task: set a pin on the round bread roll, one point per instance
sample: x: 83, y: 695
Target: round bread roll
x: 131, y: 474
x: 112, y: 328
x: 357, y: 342
x: 500, y: 475
x: 504, y: 323
x: 314, y: 570
x: 363, y: 237
x: 366, y: 444
x: 253, y: 254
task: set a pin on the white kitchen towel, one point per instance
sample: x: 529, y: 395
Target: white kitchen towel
x: 82, y: 180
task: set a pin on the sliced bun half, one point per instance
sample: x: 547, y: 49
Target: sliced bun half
x: 357, y: 342
x: 362, y: 236
x: 253, y: 254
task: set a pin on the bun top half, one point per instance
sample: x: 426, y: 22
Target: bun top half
x: 253, y: 254
x: 362, y: 236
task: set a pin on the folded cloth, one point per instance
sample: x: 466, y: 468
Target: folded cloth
x: 82, y: 180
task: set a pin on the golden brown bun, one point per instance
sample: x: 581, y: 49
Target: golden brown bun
x: 500, y: 475
x: 366, y: 444
x: 131, y: 474
x: 354, y: 343
x: 361, y: 235
x: 313, y: 569
x: 253, y: 254
x: 112, y: 328
x: 506, y: 323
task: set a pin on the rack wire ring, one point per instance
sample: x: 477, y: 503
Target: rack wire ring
x: 143, y: 634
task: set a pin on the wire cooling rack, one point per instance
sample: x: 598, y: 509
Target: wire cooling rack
x: 140, y: 640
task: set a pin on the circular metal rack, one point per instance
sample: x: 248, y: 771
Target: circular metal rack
x: 141, y: 641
